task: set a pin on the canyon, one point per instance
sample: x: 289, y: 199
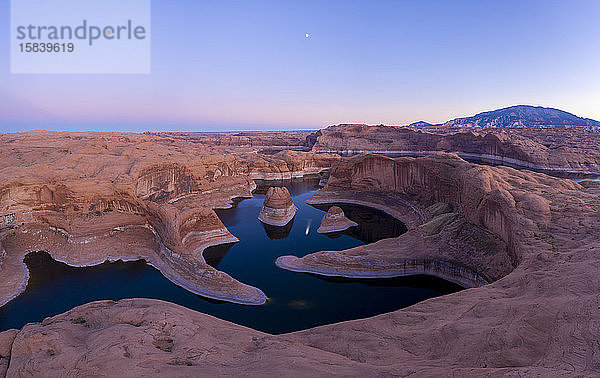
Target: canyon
x: 88, y: 198
x: 550, y: 150
x: 524, y: 243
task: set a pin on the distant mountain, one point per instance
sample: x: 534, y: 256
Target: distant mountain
x: 420, y: 124
x: 526, y: 116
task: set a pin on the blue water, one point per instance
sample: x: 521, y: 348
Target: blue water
x: 296, y: 301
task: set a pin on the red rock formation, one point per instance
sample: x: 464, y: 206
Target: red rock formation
x: 91, y: 197
x: 274, y: 140
x: 551, y: 149
x: 536, y: 237
x: 485, y: 206
x: 334, y: 221
x: 539, y: 319
x: 278, y: 208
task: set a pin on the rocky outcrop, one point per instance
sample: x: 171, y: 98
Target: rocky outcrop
x: 334, y: 221
x: 287, y: 165
x: 6, y: 341
x: 273, y: 140
x: 278, y: 208
x: 86, y: 198
x: 534, y: 237
x: 546, y: 149
x: 477, y: 239
x: 146, y: 337
x: 539, y: 319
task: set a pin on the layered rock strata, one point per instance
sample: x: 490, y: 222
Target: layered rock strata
x: 278, y: 208
x: 546, y: 149
x: 86, y: 198
x: 334, y: 221
x: 538, y: 318
x: 265, y: 140
x: 455, y: 236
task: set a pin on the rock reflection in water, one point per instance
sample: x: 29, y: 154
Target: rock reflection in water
x: 373, y: 224
x: 294, y: 186
x: 213, y: 255
x: 55, y: 287
x: 278, y: 232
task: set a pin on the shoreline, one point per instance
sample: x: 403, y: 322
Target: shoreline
x: 266, y: 215
x: 415, y: 267
x: 346, y: 198
x: 290, y: 175
x: 168, y: 273
x: 332, y: 230
x: 446, y: 270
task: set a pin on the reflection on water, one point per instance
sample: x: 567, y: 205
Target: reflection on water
x: 296, y: 301
x: 215, y: 254
x: 278, y: 232
x: 592, y: 178
x: 373, y: 224
x: 295, y: 187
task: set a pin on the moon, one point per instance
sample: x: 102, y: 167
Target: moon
x: 307, y: 35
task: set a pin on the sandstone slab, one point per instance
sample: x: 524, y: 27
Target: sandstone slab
x: 537, y: 316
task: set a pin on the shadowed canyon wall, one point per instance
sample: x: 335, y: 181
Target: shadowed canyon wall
x: 479, y: 193
x: 560, y: 150
x: 537, y: 318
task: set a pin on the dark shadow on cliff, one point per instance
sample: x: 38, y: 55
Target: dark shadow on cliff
x: 421, y: 281
x: 373, y: 225
x: 213, y: 255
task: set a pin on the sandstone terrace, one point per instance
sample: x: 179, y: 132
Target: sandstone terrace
x: 551, y: 150
x: 77, y: 194
x: 537, y: 316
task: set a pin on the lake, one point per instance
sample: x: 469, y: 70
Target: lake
x: 296, y: 300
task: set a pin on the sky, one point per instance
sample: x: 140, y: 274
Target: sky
x: 247, y: 65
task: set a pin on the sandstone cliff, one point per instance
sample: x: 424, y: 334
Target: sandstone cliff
x: 548, y: 149
x: 91, y: 197
x: 539, y: 316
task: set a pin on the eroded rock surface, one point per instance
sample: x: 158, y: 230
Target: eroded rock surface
x: 534, y: 237
x: 528, y: 234
x: 536, y: 319
x: 278, y: 208
x: 144, y: 337
x: 548, y: 149
x: 462, y: 228
x: 334, y: 221
x: 90, y: 197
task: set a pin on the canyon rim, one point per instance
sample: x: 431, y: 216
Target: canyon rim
x: 300, y: 188
x: 522, y: 241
